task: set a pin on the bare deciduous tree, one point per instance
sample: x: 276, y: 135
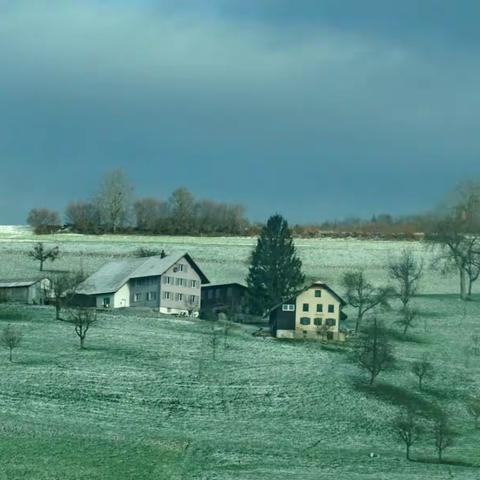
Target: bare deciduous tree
x: 422, y: 369
x: 407, y: 318
x: 406, y: 272
x: 151, y: 215
x: 442, y: 434
x: 84, y: 217
x: 214, y: 217
x: 43, y: 220
x: 82, y: 319
x: 362, y: 295
x: 11, y: 338
x: 42, y: 253
x: 457, y: 236
x: 114, y: 200
x: 407, y: 427
x: 374, y: 352
x: 458, y: 250
x: 181, y: 205
x: 473, y: 408
x: 63, y: 286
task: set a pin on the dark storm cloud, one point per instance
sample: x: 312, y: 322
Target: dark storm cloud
x: 317, y: 111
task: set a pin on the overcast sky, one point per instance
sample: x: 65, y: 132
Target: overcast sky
x: 313, y: 108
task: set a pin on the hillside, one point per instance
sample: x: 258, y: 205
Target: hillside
x: 147, y: 400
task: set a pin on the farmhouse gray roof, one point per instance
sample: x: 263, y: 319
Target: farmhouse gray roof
x: 18, y: 284
x: 113, y: 275
x: 225, y: 284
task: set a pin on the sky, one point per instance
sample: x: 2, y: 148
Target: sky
x: 316, y: 109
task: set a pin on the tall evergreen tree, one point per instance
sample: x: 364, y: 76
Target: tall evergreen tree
x: 275, y: 270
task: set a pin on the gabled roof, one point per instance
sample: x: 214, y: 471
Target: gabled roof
x: 112, y: 276
x: 228, y: 284
x: 326, y: 287
x: 312, y: 285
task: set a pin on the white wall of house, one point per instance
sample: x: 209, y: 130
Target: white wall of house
x: 119, y: 299
x: 122, y: 297
x: 285, y: 334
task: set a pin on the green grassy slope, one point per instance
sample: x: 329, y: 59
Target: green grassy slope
x: 146, y: 400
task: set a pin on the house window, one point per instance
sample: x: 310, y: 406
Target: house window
x: 137, y: 297
x: 330, y: 322
x: 318, y: 293
x: 287, y: 307
x: 210, y: 294
x: 151, y: 295
x: 179, y: 297
x: 181, y: 267
x: 319, y: 308
x: 217, y: 293
x: 317, y: 321
x: 192, y: 299
x: 193, y: 283
x: 305, y: 321
x: 167, y: 295
x: 167, y: 280
x: 106, y: 302
x: 331, y: 308
x: 305, y: 307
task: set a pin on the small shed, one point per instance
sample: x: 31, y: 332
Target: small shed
x: 32, y: 291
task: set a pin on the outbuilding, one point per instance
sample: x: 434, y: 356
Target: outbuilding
x: 224, y: 297
x: 28, y: 291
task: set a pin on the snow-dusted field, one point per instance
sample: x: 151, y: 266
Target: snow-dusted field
x: 147, y: 401
x: 222, y: 258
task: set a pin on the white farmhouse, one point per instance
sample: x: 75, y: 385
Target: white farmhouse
x: 316, y: 312
x: 171, y: 284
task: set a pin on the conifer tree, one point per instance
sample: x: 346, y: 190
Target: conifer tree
x: 275, y: 270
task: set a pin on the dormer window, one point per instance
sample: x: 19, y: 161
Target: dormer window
x: 288, y: 307
x: 318, y: 293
